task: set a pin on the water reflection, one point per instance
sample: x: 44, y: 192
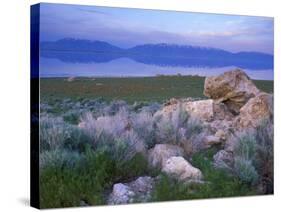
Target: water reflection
x: 187, y: 61
x: 126, y: 67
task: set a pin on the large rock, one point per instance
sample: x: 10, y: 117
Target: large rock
x: 158, y: 155
x: 179, y: 168
x: 255, y: 111
x: 234, y: 88
x: 135, y: 191
x: 201, y: 109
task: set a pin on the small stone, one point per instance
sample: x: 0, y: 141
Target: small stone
x: 70, y: 79
x: 158, y: 155
x: 135, y: 191
x: 181, y: 169
x: 211, y: 140
x: 83, y: 203
x: 121, y: 194
x: 221, y: 135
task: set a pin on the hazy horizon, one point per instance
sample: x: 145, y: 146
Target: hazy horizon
x: 126, y: 28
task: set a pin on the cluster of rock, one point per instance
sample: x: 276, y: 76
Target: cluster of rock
x: 248, y: 105
x: 235, y: 104
x: 170, y: 160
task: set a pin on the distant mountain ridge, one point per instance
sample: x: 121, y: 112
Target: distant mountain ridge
x: 79, y: 50
x: 71, y: 44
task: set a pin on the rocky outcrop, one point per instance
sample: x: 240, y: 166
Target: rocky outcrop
x: 135, y: 191
x: 234, y: 88
x: 182, y: 170
x: 255, y: 111
x: 236, y: 105
x: 158, y: 155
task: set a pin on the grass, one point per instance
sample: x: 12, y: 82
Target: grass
x: 133, y: 89
x: 218, y: 183
x: 87, y: 181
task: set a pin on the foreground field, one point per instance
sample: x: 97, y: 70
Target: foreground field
x: 112, y: 141
x: 152, y: 89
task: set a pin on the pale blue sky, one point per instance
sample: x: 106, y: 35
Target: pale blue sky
x: 129, y: 27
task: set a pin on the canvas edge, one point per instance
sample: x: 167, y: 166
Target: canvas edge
x: 34, y: 105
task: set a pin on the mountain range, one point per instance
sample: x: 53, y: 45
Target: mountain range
x: 85, y: 51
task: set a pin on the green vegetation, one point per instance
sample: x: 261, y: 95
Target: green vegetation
x: 265, y: 85
x: 89, y: 143
x: 253, y: 161
x: 82, y: 164
x: 86, y: 180
x: 151, y: 89
x: 218, y: 183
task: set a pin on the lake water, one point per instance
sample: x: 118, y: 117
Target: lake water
x: 108, y: 66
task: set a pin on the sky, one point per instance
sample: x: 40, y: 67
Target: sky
x: 129, y: 27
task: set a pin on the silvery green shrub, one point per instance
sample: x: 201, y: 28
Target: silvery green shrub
x: 143, y: 124
x: 114, y: 134
x: 244, y: 152
x: 253, y: 155
x: 245, y: 170
x: 77, y: 140
x: 264, y: 138
x: 59, y: 158
x: 165, y: 131
x: 177, y: 127
x: 53, y: 132
x: 145, y: 107
x: 168, y: 126
x: 264, y: 155
x: 123, y: 148
x: 193, y: 127
x: 114, y: 107
x: 72, y: 116
x: 151, y: 108
x: 113, y: 125
x: 247, y: 145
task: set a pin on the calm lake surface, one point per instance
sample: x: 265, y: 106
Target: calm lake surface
x: 87, y: 65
